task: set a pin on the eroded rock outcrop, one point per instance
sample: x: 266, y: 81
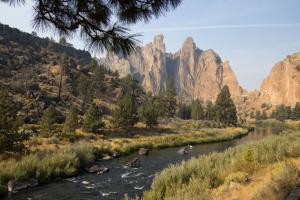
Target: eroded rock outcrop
x: 282, y: 86
x: 195, y: 73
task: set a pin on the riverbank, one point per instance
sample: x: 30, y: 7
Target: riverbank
x: 217, y: 174
x: 57, y: 157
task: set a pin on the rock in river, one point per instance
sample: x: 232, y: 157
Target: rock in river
x: 96, y: 169
x: 14, y: 185
x: 116, y: 154
x: 184, y: 150
x: 143, y: 151
x: 135, y: 163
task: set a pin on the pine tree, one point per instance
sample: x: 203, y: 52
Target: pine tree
x: 85, y: 90
x: 225, y: 108
x: 10, y: 138
x: 296, y: 111
x: 148, y: 113
x: 280, y: 113
x: 197, y: 112
x: 264, y: 115
x: 48, y: 120
x: 98, y: 79
x: 71, y: 121
x: 258, y: 115
x: 169, y: 99
x: 63, y: 65
x: 92, y: 119
x: 184, y: 111
x: 210, y: 111
x: 125, y: 115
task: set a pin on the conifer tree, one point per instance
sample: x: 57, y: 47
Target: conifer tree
x: 148, y: 113
x: 10, y: 138
x: 71, y: 121
x: 48, y: 120
x: 210, y: 111
x: 258, y: 115
x: 92, y: 119
x: 225, y: 108
x: 296, y: 111
x: 125, y: 115
x: 184, y: 111
x: 197, y: 112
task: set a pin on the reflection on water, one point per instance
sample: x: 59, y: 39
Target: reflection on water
x: 120, y: 180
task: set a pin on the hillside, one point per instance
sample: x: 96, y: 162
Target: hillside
x: 30, y: 67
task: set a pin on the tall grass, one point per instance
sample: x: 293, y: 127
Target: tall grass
x: 193, y: 179
x: 45, y: 167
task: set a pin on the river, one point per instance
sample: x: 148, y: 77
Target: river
x: 121, y: 180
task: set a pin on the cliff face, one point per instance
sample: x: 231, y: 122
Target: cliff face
x: 194, y: 72
x: 282, y: 86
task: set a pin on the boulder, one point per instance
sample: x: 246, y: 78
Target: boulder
x: 184, y: 150
x: 14, y: 185
x: 96, y: 169
x: 143, y: 151
x: 106, y: 157
x: 116, y: 154
x: 135, y: 163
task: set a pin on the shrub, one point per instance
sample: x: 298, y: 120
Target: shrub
x: 212, y: 169
x: 238, y: 177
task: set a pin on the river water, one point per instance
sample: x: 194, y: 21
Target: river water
x: 121, y: 180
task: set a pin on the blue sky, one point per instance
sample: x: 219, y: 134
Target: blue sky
x: 252, y: 35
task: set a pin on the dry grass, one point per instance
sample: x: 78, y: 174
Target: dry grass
x: 196, y: 178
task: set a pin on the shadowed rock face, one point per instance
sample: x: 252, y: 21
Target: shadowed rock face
x: 195, y: 73
x: 282, y: 86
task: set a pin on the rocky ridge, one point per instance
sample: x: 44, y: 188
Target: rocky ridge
x: 195, y: 73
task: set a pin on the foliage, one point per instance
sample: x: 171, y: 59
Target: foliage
x: 197, y: 110
x: 184, y: 111
x: 284, y: 177
x: 225, y: 108
x: 48, y: 120
x: 125, y: 115
x: 148, y: 112
x: 198, y: 175
x: 92, y: 119
x: 283, y: 112
x: 48, y: 166
x: 210, y: 111
x: 10, y: 138
x: 71, y: 121
x: 238, y: 177
x: 93, y: 19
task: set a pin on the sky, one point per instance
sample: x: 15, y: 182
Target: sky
x: 252, y: 35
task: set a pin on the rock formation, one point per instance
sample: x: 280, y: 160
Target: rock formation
x: 282, y: 86
x: 194, y: 72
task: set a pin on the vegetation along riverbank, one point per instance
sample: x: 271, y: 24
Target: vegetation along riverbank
x: 269, y: 167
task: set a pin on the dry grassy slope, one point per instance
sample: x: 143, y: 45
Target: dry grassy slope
x: 29, y: 68
x: 260, y: 186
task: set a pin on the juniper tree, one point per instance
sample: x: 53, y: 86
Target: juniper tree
x: 92, y: 119
x: 225, y: 107
x: 148, y: 113
x: 48, y: 120
x: 71, y: 121
x: 125, y: 115
x: 10, y: 138
x: 210, y: 111
x: 197, y: 110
